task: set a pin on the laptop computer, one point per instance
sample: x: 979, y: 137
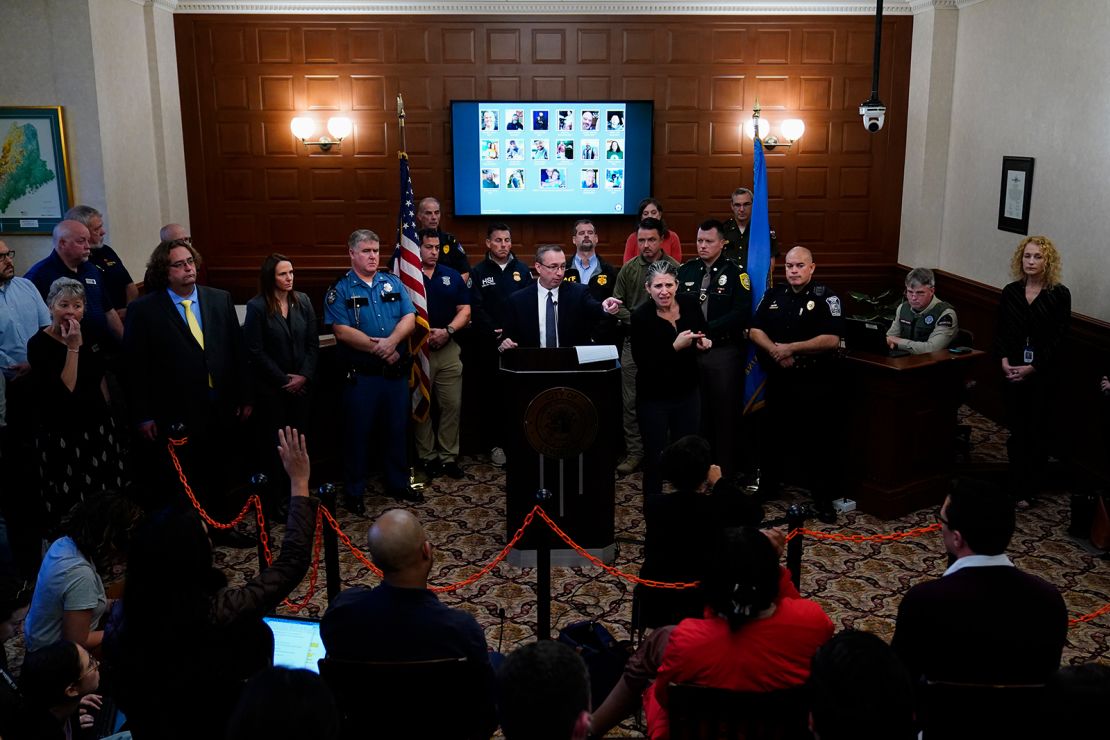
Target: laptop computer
x: 868, y: 335
x: 297, y: 642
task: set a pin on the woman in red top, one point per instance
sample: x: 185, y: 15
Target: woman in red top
x: 757, y: 634
x: 651, y: 208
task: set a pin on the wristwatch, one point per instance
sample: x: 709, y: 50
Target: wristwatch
x: 450, y: 330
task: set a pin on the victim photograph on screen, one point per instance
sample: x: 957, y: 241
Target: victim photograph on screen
x: 518, y: 158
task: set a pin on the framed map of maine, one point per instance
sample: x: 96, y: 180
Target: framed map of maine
x: 34, y: 172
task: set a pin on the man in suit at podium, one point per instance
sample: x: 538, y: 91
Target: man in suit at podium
x: 553, y: 313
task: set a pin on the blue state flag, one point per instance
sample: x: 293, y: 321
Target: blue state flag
x: 759, y: 270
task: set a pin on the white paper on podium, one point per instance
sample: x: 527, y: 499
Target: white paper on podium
x: 599, y: 353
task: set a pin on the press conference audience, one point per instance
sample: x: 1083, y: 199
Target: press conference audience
x: 57, y: 684
x: 284, y: 704
x: 757, y: 634
x: 182, y: 631
x: 860, y: 691
x: 543, y: 693
x: 70, y: 602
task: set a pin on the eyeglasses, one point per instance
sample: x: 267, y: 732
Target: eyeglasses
x: 9, y: 255
x: 555, y: 268
x: 180, y: 264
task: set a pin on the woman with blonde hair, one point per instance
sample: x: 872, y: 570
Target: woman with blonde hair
x: 1033, y: 317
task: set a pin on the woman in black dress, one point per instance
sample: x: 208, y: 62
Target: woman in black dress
x: 1033, y: 318
x: 283, y: 345
x: 76, y: 438
x: 668, y: 332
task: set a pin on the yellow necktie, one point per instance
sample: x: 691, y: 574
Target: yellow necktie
x: 194, y: 329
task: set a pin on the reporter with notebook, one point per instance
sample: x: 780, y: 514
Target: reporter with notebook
x: 182, y: 642
x: 922, y: 323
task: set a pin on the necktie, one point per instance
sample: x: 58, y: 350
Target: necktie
x: 552, y: 327
x: 705, y: 294
x: 191, y: 320
x: 194, y: 329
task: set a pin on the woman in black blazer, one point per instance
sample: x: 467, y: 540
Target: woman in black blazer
x: 283, y: 344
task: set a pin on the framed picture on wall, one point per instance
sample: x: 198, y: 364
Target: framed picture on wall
x: 1017, y: 191
x: 34, y: 171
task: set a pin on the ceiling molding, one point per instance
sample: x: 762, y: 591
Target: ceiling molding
x: 920, y: 6
x: 550, y: 7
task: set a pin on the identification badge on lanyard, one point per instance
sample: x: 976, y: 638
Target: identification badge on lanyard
x: 1027, y: 354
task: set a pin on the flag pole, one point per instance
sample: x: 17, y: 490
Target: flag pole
x: 401, y: 121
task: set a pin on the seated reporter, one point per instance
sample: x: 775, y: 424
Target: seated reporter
x: 922, y: 323
x: 757, y: 634
x: 181, y: 634
x: 69, y: 601
x: 57, y: 684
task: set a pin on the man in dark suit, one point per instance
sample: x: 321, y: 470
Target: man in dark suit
x: 187, y: 364
x: 553, y: 313
x: 984, y: 622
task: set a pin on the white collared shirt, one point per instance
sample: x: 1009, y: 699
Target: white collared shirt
x: 979, y: 561
x: 541, y: 297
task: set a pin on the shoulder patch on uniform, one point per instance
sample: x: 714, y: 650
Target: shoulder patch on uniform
x: 745, y: 281
x: 331, y: 296
x: 819, y: 290
x: 602, y: 279
x: 834, y: 305
x: 469, y: 282
x: 945, y: 320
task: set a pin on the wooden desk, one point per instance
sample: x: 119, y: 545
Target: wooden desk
x: 902, y: 428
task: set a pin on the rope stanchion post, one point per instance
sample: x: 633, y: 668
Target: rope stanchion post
x: 258, y: 483
x: 543, y: 575
x: 795, y: 520
x: 326, y: 494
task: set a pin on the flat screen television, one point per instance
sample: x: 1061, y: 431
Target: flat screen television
x: 517, y: 158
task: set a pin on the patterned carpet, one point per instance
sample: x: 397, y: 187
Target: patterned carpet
x: 859, y: 584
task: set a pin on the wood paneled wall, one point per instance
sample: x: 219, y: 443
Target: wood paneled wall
x: 254, y: 189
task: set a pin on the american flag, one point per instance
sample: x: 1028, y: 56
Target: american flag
x: 406, y: 265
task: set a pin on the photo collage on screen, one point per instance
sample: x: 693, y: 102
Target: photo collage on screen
x: 534, y: 148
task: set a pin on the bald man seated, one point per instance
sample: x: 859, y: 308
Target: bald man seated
x: 400, y: 619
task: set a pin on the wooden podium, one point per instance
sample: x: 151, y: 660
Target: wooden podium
x: 563, y: 431
x: 902, y: 428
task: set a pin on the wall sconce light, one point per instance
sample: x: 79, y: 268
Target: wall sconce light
x: 792, y: 130
x: 339, y: 127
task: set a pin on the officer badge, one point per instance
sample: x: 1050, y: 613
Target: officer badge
x: 722, y: 280
x: 388, y: 288
x: 332, y: 295
x: 689, y: 284
x: 745, y: 281
x: 446, y: 248
x: 834, y: 305
x: 928, y: 320
x: 810, y: 305
x: 446, y: 279
x: 516, y: 276
x: 602, y: 279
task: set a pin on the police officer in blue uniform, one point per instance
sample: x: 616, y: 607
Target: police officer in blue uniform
x: 797, y: 328
x: 372, y: 316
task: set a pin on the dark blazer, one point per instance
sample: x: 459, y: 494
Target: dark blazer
x: 278, y: 347
x: 579, y: 313
x: 990, y: 624
x: 168, y: 371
